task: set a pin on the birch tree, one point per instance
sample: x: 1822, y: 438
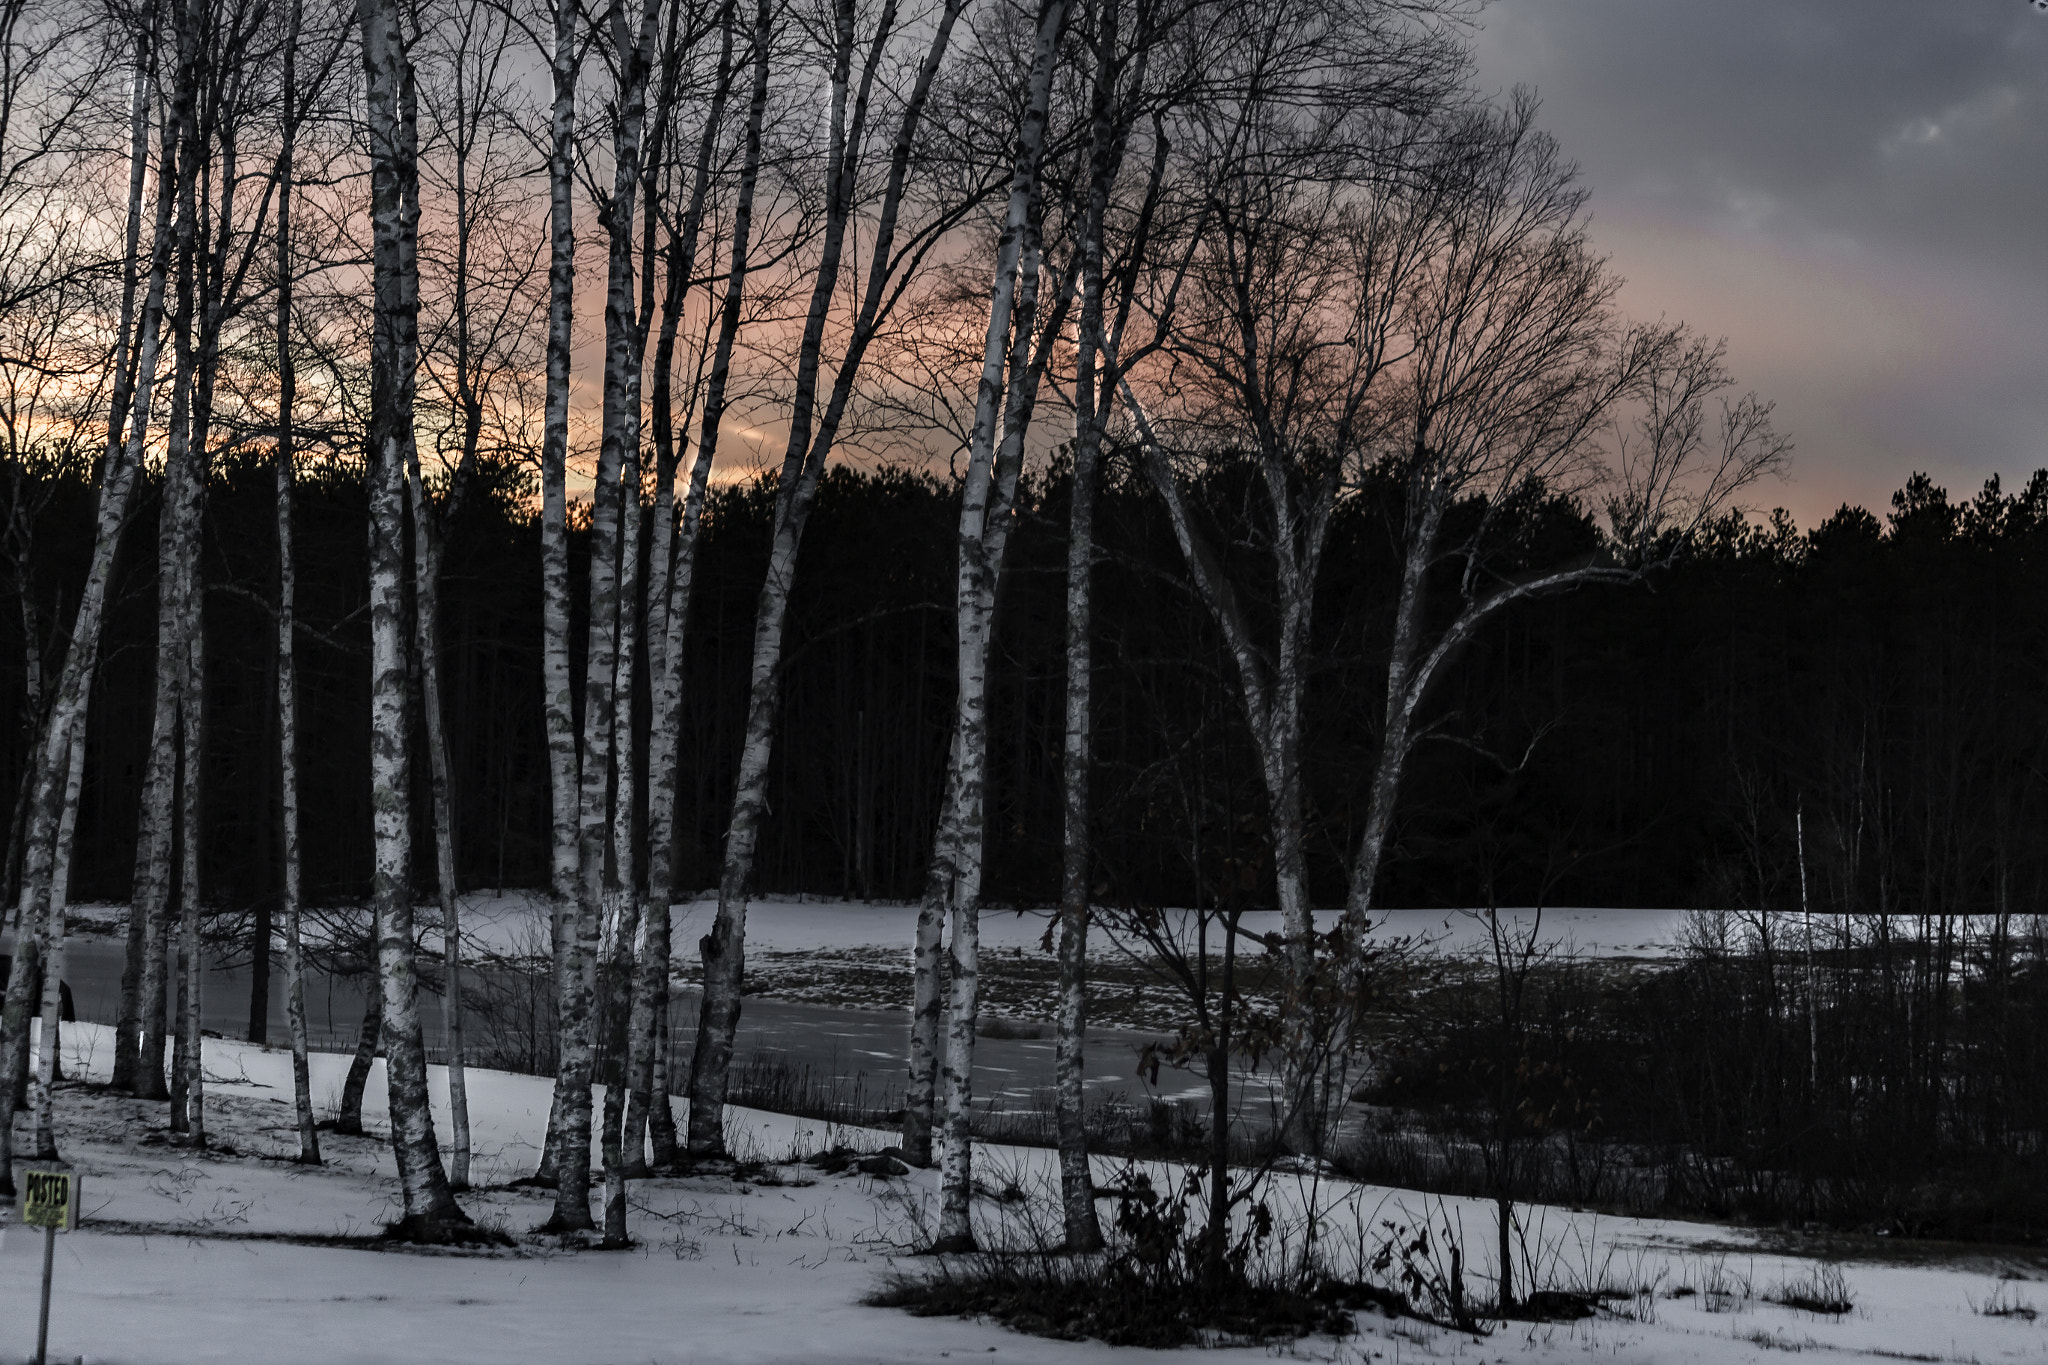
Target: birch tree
x: 1311, y: 114
x: 287, y: 652
x: 431, y: 1213
x: 142, y: 100
x: 987, y: 505
x: 298, y: 102
x: 478, y: 350
x: 1117, y: 97
x: 52, y: 795
x: 812, y: 431
x: 50, y: 958
x: 677, y: 551
x: 559, y: 715
x: 1442, y: 319
x: 1509, y: 388
x: 218, y: 237
x: 614, y: 501
x: 155, y: 838
x: 471, y: 354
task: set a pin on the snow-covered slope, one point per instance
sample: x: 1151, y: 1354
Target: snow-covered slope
x: 243, y: 1257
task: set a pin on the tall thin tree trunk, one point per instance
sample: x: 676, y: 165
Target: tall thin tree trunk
x: 23, y: 1001
x: 622, y: 903
x: 985, y: 509
x: 810, y: 441
x: 156, y: 839
x: 580, y: 1003
x: 431, y: 1213
x: 288, y: 790
x: 928, y: 1006
x: 128, y: 1023
x: 647, y: 1026
x: 662, y: 1139
x: 191, y: 948
x: 427, y: 548
x: 1077, y: 1185
x: 559, y: 711
x: 21, y: 1006
x: 287, y: 665
x: 185, y: 465
x: 48, y: 1066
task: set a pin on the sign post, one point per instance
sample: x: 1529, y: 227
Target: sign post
x: 50, y: 1202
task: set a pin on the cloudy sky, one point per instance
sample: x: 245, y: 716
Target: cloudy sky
x: 1853, y: 192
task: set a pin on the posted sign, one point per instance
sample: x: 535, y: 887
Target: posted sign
x: 50, y: 1200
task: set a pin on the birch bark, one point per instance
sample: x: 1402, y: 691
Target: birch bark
x: 580, y: 1004
x: 52, y: 960
x: 427, y: 538
x: 810, y: 441
x: 154, y: 838
x: 142, y: 980
x: 986, y: 508
x: 559, y: 711
x: 287, y: 600
x: 1077, y: 1185
x: 1269, y: 693
x: 184, y: 462
x: 431, y: 1213
x: 65, y: 726
x: 647, y: 1077
x: 189, y: 1097
x: 288, y: 744
x: 127, y: 1026
x: 621, y: 904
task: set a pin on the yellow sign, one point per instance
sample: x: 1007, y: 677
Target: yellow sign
x: 50, y: 1200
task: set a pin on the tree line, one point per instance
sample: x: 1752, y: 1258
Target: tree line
x: 1276, y: 376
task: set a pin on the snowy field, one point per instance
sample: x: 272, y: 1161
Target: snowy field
x: 240, y: 1256
x: 509, y: 922
x: 851, y: 955
x: 515, y: 923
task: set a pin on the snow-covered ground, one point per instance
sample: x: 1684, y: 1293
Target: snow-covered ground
x: 241, y: 1256
x: 514, y: 923
x: 506, y: 923
x: 854, y: 955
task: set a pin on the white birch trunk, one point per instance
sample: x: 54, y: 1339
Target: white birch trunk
x: 1070, y: 1018
x: 622, y: 908
x: 287, y: 657
x: 190, y: 1097
x: 559, y: 705
x: 154, y: 838
x: 184, y: 459
x: 985, y: 511
x: 580, y: 1004
x: 810, y: 441
x: 1270, y: 696
x: 64, y: 726
x: 52, y: 961
x: 427, y: 632
x: 430, y: 1211
x: 928, y: 1007
x: 127, y: 1027
x: 647, y: 1028
x: 288, y: 760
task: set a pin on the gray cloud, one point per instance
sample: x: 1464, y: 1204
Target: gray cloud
x: 1856, y: 193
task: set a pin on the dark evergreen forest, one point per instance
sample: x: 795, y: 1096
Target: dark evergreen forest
x: 1872, y: 686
